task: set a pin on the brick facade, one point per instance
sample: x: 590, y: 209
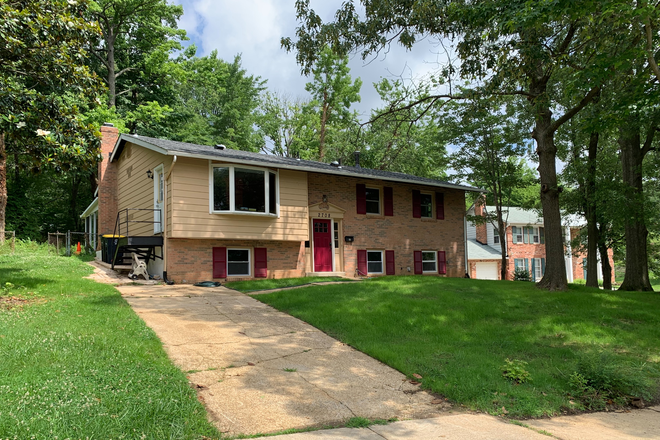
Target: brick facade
x: 481, y: 229
x: 190, y: 260
x: 107, y: 181
x: 400, y: 232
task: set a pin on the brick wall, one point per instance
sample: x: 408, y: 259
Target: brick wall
x: 401, y: 232
x: 107, y: 175
x: 521, y: 250
x: 481, y: 228
x: 191, y: 261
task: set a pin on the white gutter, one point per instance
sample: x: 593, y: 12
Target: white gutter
x: 92, y: 208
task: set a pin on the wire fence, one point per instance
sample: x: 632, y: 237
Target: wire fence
x: 72, y: 243
x: 7, y: 242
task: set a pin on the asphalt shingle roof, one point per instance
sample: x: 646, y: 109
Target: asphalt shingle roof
x: 478, y: 251
x: 239, y: 156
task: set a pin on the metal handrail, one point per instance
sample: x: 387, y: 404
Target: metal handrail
x: 117, y: 231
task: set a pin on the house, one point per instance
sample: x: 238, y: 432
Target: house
x: 525, y: 245
x: 200, y: 213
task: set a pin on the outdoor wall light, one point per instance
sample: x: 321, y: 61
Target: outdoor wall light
x: 150, y: 174
x: 325, y: 198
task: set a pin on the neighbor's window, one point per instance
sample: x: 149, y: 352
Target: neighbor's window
x: 244, y: 190
x: 238, y: 262
x: 373, y: 200
x: 375, y: 261
x: 496, y: 236
x: 426, y: 202
x: 429, y: 263
x: 538, y: 269
x: 517, y: 234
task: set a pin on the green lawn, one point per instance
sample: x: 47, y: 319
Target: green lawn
x: 267, y: 284
x: 77, y: 362
x: 584, y: 348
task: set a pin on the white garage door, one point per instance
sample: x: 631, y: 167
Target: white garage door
x: 487, y: 271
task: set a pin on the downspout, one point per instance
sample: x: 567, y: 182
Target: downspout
x: 465, y: 243
x: 165, y: 224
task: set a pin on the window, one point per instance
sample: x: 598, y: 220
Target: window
x: 238, y: 262
x: 519, y: 263
x: 535, y: 236
x: 429, y: 261
x: 244, y: 190
x: 373, y: 200
x: 538, y: 269
x: 517, y: 232
x: 426, y: 205
x: 375, y: 261
x: 336, y: 235
x: 496, y: 236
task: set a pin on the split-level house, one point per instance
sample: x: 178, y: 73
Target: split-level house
x: 211, y: 213
x: 525, y: 245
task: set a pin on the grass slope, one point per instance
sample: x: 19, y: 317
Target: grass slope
x: 458, y: 333
x: 77, y: 362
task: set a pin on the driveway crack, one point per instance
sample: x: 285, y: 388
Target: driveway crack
x: 328, y: 395
x: 377, y: 433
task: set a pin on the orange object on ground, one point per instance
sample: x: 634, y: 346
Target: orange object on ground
x: 78, y: 248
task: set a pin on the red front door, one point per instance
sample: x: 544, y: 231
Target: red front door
x: 322, y: 246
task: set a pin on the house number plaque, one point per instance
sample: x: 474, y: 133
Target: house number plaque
x: 323, y: 215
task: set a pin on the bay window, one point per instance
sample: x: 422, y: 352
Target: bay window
x: 244, y: 190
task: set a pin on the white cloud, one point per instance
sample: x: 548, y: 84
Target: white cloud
x: 253, y: 28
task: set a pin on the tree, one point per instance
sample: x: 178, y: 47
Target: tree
x: 333, y: 91
x: 137, y: 37
x: 43, y: 83
x: 505, y: 48
x: 491, y: 155
x: 288, y: 126
x: 217, y: 102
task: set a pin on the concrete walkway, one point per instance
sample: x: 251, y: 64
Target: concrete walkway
x: 258, y: 370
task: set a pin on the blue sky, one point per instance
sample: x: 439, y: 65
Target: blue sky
x: 253, y: 28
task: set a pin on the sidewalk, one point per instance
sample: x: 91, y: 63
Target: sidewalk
x: 636, y: 424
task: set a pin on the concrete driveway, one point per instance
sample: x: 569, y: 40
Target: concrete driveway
x: 259, y: 370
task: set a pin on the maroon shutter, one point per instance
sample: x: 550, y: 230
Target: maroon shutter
x: 389, y: 263
x: 389, y: 200
x: 418, y: 262
x: 417, y: 204
x: 219, y: 262
x: 362, y: 262
x: 442, y: 262
x: 361, y: 198
x: 440, y: 206
x: 260, y: 263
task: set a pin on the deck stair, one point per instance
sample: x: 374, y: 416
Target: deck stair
x: 131, y: 236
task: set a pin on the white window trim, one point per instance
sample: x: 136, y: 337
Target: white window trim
x: 249, y: 274
x: 232, y: 195
x: 538, y: 272
x: 382, y: 262
x: 435, y: 260
x: 380, y: 200
x: 496, y: 236
x: 421, y: 193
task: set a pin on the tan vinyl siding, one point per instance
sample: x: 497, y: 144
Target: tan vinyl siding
x: 191, y: 217
x: 135, y: 189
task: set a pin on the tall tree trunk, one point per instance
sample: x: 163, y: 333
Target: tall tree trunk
x: 501, y: 230
x: 73, y: 202
x: 112, y: 79
x: 3, y: 187
x: 590, y: 213
x: 555, y: 267
x: 632, y: 155
x: 604, y: 261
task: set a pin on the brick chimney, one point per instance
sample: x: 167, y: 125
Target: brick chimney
x: 482, y: 228
x: 107, y: 175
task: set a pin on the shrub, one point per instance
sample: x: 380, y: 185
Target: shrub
x: 601, y: 379
x: 521, y: 275
x: 514, y: 370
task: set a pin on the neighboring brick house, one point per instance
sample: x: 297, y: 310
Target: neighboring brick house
x: 215, y: 213
x: 525, y: 245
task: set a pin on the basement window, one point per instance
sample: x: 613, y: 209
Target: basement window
x: 375, y: 262
x: 238, y: 262
x: 429, y: 262
x: 244, y: 190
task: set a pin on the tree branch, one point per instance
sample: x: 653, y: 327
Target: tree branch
x: 122, y: 71
x: 649, y: 48
x: 572, y: 112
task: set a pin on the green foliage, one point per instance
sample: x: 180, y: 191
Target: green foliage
x: 216, y: 103
x: 456, y: 332
x: 289, y: 127
x: 521, y: 275
x: 515, y: 371
x: 601, y: 379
